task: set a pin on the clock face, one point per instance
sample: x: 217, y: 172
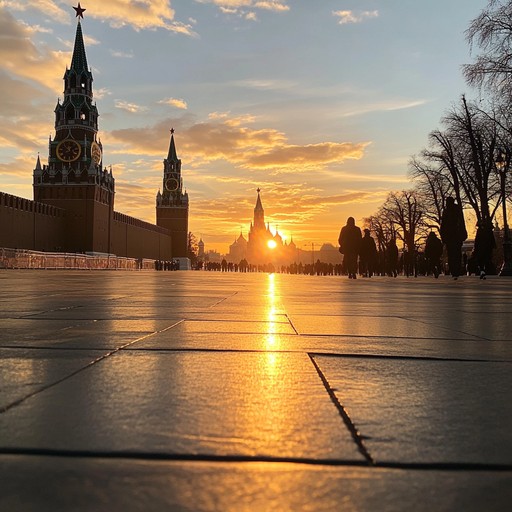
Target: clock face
x: 95, y: 153
x: 68, y: 150
x: 171, y: 184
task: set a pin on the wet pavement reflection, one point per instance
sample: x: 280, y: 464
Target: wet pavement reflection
x: 219, y: 391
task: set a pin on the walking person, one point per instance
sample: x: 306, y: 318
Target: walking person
x: 433, y: 253
x: 350, y: 245
x: 484, y: 246
x: 391, y: 258
x: 453, y: 233
x: 367, y: 255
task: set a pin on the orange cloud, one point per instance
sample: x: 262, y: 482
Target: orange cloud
x: 244, y: 147
x: 140, y: 15
x: 175, y: 102
x: 19, y: 56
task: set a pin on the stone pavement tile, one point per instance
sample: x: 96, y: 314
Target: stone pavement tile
x: 426, y: 411
x: 262, y: 315
x: 24, y: 371
x: 369, y: 325
x: 20, y: 329
x: 341, y: 345
x: 251, y: 404
x: 62, y: 484
x: 189, y: 327
x: 486, y: 324
x: 104, y: 341
x: 85, y: 333
x: 110, y: 311
x: 225, y: 341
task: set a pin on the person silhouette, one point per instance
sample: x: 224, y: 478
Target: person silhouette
x: 392, y: 258
x: 350, y: 245
x: 485, y: 244
x: 367, y: 255
x: 433, y: 253
x: 453, y: 233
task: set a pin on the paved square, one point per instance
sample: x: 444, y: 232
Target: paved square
x: 225, y: 391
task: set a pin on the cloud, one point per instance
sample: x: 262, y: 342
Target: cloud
x: 24, y: 114
x: 140, y: 15
x: 272, y: 6
x: 291, y: 157
x: 352, y: 17
x: 101, y: 93
x: 121, y: 55
x: 20, y: 56
x: 21, y: 167
x: 228, y: 139
x: 245, y: 8
x: 129, y: 107
x: 384, y: 106
x: 48, y: 7
x: 175, y: 102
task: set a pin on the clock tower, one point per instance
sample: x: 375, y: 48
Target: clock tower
x: 74, y: 179
x: 172, y: 203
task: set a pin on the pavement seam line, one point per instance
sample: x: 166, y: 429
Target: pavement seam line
x: 199, y: 457
x: 89, y: 365
x: 222, y: 300
x: 291, y: 323
x: 356, y: 436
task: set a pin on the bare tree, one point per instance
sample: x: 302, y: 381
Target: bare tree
x: 433, y: 186
x: 491, y: 31
x: 192, y: 247
x: 405, y: 212
x: 465, y: 154
x: 382, y: 228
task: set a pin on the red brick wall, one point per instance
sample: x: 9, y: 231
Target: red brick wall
x: 30, y: 225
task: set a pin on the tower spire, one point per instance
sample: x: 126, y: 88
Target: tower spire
x: 172, y: 156
x: 259, y: 213
x: 79, y: 60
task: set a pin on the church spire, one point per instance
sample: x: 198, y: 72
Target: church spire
x: 259, y: 213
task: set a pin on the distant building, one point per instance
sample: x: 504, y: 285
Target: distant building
x: 200, y: 250
x: 256, y: 249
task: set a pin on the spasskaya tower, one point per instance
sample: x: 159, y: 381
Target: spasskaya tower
x: 74, y: 178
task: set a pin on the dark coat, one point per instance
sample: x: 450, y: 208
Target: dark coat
x: 350, y: 240
x: 433, y: 247
x: 453, y: 228
x: 368, y: 251
x: 485, y: 243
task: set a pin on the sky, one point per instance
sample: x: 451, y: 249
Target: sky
x: 319, y: 103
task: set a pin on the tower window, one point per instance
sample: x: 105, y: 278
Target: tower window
x: 82, y: 116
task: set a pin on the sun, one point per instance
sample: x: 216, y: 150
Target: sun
x: 271, y: 244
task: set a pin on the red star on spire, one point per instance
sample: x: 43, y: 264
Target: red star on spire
x: 79, y: 11
x: 172, y: 131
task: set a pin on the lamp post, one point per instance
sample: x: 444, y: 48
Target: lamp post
x: 502, y: 164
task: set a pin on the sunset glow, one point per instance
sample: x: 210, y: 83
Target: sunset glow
x: 324, y: 121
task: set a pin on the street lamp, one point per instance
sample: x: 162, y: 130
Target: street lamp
x: 502, y: 164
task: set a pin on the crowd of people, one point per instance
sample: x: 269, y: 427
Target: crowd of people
x: 361, y: 257
x: 360, y: 254
x: 167, y: 265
